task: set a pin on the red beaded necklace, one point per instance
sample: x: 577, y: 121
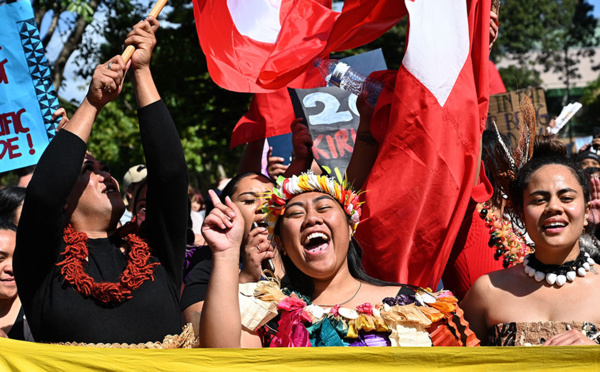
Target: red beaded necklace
x: 138, y: 269
x: 509, y: 246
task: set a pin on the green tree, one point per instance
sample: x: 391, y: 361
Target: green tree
x: 74, y: 16
x: 204, y: 113
x: 560, y: 32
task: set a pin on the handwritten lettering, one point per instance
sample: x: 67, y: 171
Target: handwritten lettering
x: 3, y: 76
x: 341, y: 140
x: 337, y: 145
x: 9, y: 147
x: 15, y: 119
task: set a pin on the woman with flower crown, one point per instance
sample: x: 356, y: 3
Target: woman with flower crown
x: 551, y: 298
x: 79, y: 279
x: 331, y: 301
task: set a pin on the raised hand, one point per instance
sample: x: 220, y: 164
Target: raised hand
x: 223, y: 228
x: 64, y: 119
x: 142, y: 37
x: 594, y: 215
x: 301, y: 140
x: 275, y: 166
x: 107, y: 82
x: 257, y: 249
x: 493, y: 28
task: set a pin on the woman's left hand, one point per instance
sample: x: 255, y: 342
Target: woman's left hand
x: 142, y: 37
x: 64, y: 119
x: 594, y: 215
x: 572, y: 337
x: 107, y: 82
x: 257, y: 249
x: 493, y: 28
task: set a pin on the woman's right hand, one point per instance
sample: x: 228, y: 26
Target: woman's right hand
x: 107, y: 82
x: 257, y: 249
x: 223, y: 228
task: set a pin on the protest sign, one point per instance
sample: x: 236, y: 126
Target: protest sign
x: 505, y: 111
x: 332, y: 116
x: 27, y: 96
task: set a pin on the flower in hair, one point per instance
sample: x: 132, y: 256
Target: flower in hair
x: 287, y: 188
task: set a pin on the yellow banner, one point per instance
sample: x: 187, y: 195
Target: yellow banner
x: 24, y: 356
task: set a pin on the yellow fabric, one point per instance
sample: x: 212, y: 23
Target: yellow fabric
x: 23, y: 356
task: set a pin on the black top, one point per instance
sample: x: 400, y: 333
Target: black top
x: 17, y: 331
x: 196, y: 283
x: 55, y: 311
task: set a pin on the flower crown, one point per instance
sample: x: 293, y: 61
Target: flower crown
x: 287, y: 188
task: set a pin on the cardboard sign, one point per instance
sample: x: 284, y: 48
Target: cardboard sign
x: 505, y: 111
x: 27, y: 96
x: 332, y: 119
x: 332, y: 116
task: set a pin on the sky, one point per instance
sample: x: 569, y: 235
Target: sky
x: 596, y: 4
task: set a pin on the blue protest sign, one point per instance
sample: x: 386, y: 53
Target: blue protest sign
x: 27, y: 96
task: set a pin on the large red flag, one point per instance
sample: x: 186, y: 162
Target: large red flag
x: 419, y: 188
x: 264, y: 45
x: 271, y: 114
x: 238, y: 36
x: 360, y: 22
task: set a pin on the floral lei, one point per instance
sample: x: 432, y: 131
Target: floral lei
x: 138, y: 269
x: 287, y: 188
x: 420, y: 319
x: 503, y: 238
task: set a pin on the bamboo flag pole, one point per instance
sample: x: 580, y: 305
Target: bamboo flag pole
x: 158, y: 7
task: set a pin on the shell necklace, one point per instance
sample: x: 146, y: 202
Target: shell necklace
x: 558, y: 274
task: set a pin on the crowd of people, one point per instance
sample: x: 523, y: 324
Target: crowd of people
x: 270, y: 260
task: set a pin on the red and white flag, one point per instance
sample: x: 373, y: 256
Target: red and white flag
x: 238, y: 36
x: 263, y: 45
x: 419, y: 188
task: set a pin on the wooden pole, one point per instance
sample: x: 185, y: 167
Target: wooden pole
x: 158, y: 7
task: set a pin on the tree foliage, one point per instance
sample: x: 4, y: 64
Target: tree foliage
x: 556, y: 34
x: 74, y: 16
x: 204, y: 113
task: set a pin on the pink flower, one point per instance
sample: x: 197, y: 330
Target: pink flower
x: 365, y: 308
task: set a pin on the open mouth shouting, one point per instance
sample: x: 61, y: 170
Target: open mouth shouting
x: 316, y: 243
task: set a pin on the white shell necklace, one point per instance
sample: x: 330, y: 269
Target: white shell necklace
x: 558, y: 274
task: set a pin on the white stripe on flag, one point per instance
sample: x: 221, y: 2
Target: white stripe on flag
x: 256, y: 19
x: 438, y: 43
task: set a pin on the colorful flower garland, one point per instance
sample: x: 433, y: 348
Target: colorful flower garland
x: 138, y: 269
x: 287, y: 188
x: 419, y: 319
x: 503, y: 238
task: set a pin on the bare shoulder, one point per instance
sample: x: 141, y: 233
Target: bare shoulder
x: 479, y: 292
x: 491, y: 286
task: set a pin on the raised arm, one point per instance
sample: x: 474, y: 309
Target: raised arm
x: 167, y: 201
x: 302, y: 144
x: 221, y: 324
x: 366, y: 147
x: 142, y: 36
x: 43, y: 217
